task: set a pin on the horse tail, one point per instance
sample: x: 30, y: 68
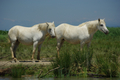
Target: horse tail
x: 8, y: 39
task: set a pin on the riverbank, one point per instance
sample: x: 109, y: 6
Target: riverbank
x: 29, y: 62
x: 28, y: 68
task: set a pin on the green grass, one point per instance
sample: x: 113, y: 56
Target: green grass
x: 104, y: 57
x: 65, y: 62
x: 75, y: 63
x: 17, y: 71
x: 107, y: 64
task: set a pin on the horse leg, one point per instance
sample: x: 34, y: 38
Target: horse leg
x: 34, y: 49
x: 39, y: 48
x: 81, y: 45
x: 88, y: 45
x: 59, y: 44
x: 12, y: 50
x: 62, y: 42
x: 88, y: 53
x: 15, y: 47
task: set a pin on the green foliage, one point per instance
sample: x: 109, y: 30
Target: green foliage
x: 64, y: 61
x: 114, y: 33
x: 103, y: 57
x: 3, y: 32
x: 3, y: 36
x: 71, y: 64
x: 107, y: 63
x: 82, y: 58
x: 17, y: 71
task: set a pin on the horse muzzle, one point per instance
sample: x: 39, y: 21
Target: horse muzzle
x: 106, y: 32
x: 53, y: 36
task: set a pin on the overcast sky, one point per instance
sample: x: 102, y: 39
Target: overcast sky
x: 30, y: 12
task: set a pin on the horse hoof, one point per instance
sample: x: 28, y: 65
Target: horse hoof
x: 17, y: 61
x: 39, y: 60
x: 33, y: 61
x: 12, y: 61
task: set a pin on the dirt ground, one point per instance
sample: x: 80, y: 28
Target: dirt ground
x: 9, y: 63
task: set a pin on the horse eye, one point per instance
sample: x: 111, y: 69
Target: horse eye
x: 101, y: 24
x: 49, y: 30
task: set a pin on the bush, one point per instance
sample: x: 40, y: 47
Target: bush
x: 3, y: 32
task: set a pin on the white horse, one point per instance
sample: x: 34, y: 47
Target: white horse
x: 34, y: 35
x: 79, y: 34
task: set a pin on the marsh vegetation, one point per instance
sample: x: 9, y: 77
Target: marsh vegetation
x: 102, y: 59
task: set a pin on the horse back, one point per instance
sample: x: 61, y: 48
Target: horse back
x: 23, y: 34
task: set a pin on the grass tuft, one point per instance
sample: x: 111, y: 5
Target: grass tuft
x: 102, y: 58
x: 17, y: 71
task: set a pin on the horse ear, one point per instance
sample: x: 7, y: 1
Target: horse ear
x: 104, y: 19
x: 47, y: 24
x: 39, y: 27
x: 53, y: 22
x: 99, y: 20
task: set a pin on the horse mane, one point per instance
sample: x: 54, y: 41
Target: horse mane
x: 41, y: 26
x: 82, y: 24
x: 88, y: 23
x: 91, y: 25
x: 94, y: 23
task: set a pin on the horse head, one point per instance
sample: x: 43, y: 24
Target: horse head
x: 102, y: 26
x: 51, y: 29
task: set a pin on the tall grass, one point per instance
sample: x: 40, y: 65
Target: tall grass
x: 107, y: 63
x: 72, y: 64
x: 17, y: 71
x: 65, y: 62
x: 82, y: 58
x: 103, y: 57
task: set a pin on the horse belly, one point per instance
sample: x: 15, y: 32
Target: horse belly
x: 73, y: 41
x: 25, y: 41
x: 72, y: 38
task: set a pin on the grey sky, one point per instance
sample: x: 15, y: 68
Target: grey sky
x: 31, y: 12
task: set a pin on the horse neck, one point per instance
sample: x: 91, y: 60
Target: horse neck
x: 42, y: 28
x: 92, y: 27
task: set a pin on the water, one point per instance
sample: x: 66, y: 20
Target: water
x: 70, y: 78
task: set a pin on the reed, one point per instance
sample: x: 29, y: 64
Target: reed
x: 107, y: 64
x: 72, y: 64
x: 17, y: 71
x: 82, y: 58
x: 64, y: 61
x: 102, y: 58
